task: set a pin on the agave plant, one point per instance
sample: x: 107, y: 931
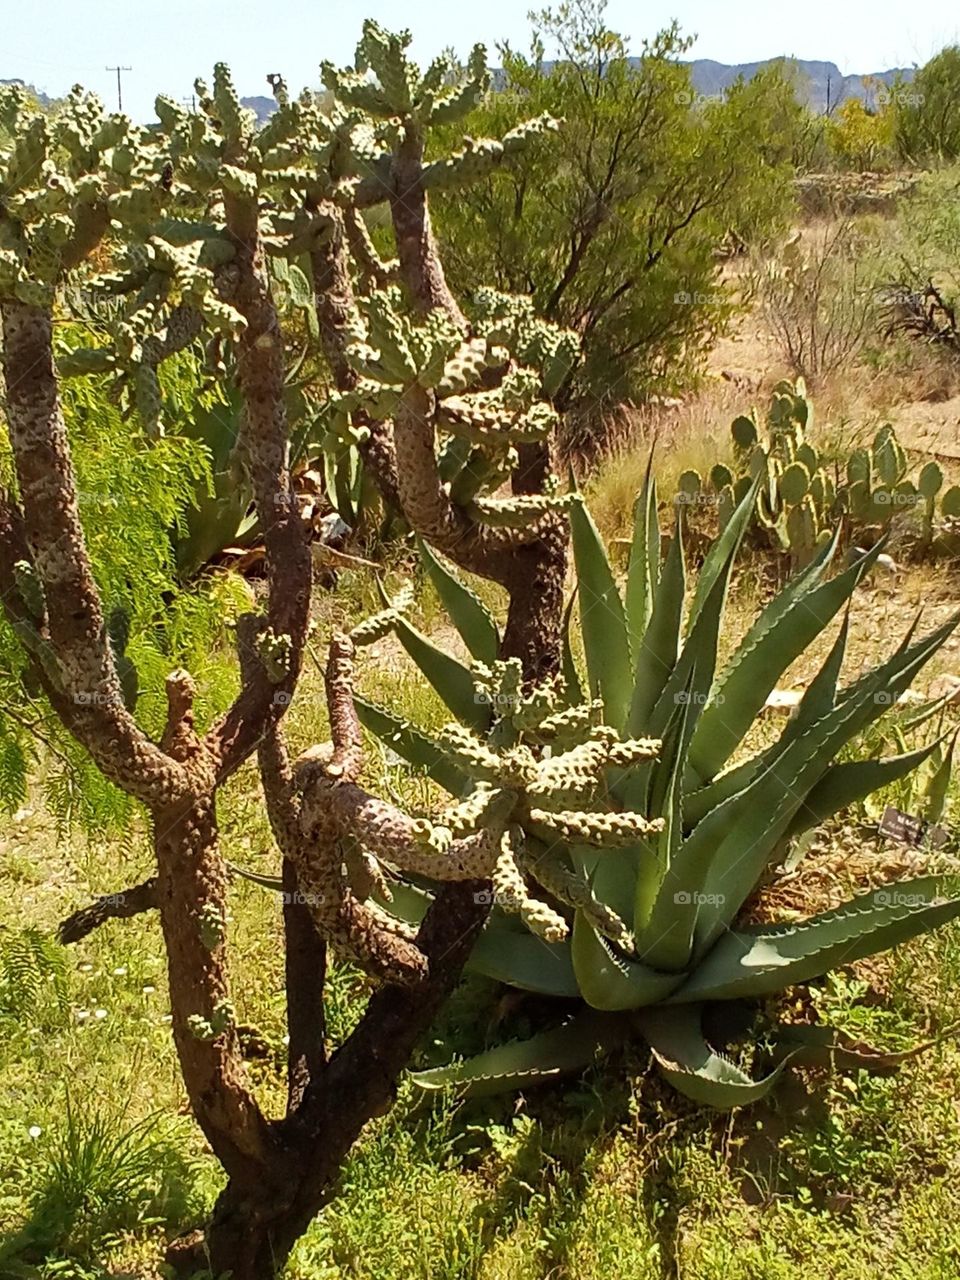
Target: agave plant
x: 643, y: 920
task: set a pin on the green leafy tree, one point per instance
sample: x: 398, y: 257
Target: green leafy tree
x: 927, y: 110
x: 860, y: 138
x: 613, y: 226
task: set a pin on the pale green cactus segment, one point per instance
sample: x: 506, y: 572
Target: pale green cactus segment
x: 437, y: 837
x: 485, y: 420
x: 236, y: 122
x: 238, y: 182
x: 522, y: 511
x: 551, y: 869
x: 355, y: 89
x: 512, y: 894
x: 579, y: 774
x: 542, y: 703
x: 389, y: 358
x: 481, y: 155
x: 485, y: 806
x: 449, y: 105
x: 469, y: 752
x: 570, y: 726
x: 602, y: 830
x: 374, y: 628
x: 500, y: 683
x: 464, y: 369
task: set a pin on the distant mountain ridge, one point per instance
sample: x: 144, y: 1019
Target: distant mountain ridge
x: 824, y: 85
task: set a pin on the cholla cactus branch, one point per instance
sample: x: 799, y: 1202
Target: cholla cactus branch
x: 263, y: 439
x: 336, y: 311
x: 55, y: 546
x: 345, y: 731
x: 512, y: 894
x: 603, y: 830
x: 548, y: 869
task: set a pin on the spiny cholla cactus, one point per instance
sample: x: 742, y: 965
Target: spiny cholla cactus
x: 542, y: 774
x: 651, y: 911
x: 208, y: 220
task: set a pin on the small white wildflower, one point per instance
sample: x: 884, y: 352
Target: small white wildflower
x: 99, y: 1014
x: 85, y: 967
x: 148, y: 990
x: 34, y: 1131
x: 120, y: 971
x: 82, y: 1015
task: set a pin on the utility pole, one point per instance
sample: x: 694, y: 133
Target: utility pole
x: 119, y: 90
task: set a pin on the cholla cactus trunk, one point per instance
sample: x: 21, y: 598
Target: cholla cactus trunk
x: 417, y: 251
x: 336, y: 306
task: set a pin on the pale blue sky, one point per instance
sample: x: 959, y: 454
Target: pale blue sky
x: 56, y: 43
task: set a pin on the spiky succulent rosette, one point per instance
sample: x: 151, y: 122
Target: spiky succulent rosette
x: 648, y: 858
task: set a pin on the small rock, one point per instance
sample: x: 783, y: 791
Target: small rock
x: 783, y: 700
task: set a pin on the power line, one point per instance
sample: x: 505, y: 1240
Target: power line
x: 119, y: 90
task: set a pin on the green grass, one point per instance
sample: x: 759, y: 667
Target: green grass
x: 843, y: 1177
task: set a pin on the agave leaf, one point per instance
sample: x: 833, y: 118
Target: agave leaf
x: 719, y: 559
x: 820, y: 1046
x: 657, y: 655
x: 571, y: 1047
x: 725, y: 855
x: 643, y: 568
x: 344, y: 481
x: 782, y: 632
x: 692, y: 1067
x: 818, y: 699
x: 407, y: 902
x: 697, y: 804
x: 697, y: 662
x: 607, y: 980
x: 413, y: 745
x: 666, y: 795
x: 467, y: 612
x: 720, y: 862
x: 450, y: 678
x: 504, y: 952
x: 453, y: 457
x: 850, y: 781
x: 922, y: 713
x: 602, y: 620
x: 820, y: 695
x: 935, y: 797
x: 523, y: 960
x: 571, y: 677
x: 761, y: 960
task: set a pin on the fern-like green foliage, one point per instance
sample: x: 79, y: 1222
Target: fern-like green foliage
x: 134, y: 494
x: 32, y: 965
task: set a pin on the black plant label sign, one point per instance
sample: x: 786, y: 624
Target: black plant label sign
x: 911, y: 830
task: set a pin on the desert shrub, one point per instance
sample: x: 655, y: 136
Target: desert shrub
x: 820, y: 300
x: 927, y: 110
x: 613, y: 227
x: 860, y: 138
